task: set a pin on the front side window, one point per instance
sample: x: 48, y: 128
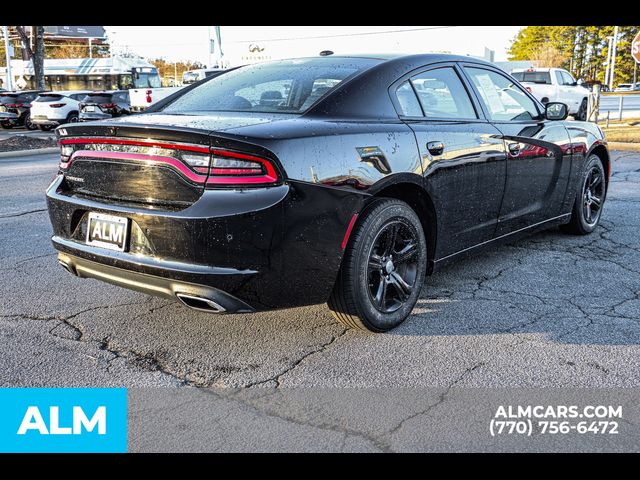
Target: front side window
x: 568, y: 79
x: 287, y: 86
x: 442, y: 94
x: 503, y: 99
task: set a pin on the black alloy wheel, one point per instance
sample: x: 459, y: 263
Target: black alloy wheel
x: 393, y: 266
x: 383, y: 268
x: 593, y: 195
x: 590, y: 198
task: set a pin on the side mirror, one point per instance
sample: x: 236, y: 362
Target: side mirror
x: 580, y: 82
x: 556, y: 111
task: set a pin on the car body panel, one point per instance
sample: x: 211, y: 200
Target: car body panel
x: 282, y: 245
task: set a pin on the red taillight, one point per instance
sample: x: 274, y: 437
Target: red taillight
x: 16, y: 105
x: 235, y: 168
x: 57, y: 105
x: 108, y: 105
x: 198, y: 163
x: 148, y: 96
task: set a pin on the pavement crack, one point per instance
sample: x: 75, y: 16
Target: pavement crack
x: 20, y: 214
x: 317, y: 349
x: 441, y: 399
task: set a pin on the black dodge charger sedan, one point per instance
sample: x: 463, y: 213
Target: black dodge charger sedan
x: 338, y: 179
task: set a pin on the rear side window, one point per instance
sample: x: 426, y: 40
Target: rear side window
x: 502, y: 97
x: 442, y: 95
x: 408, y: 101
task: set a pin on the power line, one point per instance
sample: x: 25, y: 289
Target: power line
x: 357, y: 34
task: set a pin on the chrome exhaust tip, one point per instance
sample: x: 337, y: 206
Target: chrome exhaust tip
x: 199, y: 303
x: 67, y: 267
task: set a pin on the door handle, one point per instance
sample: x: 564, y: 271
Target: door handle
x: 435, y: 148
x: 514, y: 149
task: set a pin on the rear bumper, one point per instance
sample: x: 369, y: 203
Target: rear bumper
x: 256, y: 249
x: 42, y: 120
x: 163, y: 286
x: 89, y: 117
x: 9, y: 117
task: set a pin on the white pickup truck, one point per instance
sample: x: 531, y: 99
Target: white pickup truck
x: 555, y: 85
x: 143, y: 98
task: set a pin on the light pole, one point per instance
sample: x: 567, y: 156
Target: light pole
x: 8, y: 56
x: 613, y: 57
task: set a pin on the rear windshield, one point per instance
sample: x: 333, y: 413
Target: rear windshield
x: 51, y: 97
x: 288, y: 86
x: 98, y: 98
x: 533, y: 77
x: 10, y: 99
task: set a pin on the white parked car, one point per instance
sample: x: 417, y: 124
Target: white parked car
x: 628, y: 87
x: 555, y: 85
x: 51, y: 109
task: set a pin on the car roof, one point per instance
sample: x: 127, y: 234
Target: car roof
x: 534, y: 69
x: 409, y: 57
x: 67, y: 92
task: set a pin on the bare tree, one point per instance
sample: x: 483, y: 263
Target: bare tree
x: 35, y: 54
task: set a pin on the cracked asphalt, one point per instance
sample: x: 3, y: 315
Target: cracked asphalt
x: 548, y: 311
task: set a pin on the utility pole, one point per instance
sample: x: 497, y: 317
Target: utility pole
x: 606, y: 72
x: 613, y: 57
x: 8, y: 56
x: 210, y: 40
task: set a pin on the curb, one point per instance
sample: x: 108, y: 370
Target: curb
x: 26, y: 153
x: 626, y: 146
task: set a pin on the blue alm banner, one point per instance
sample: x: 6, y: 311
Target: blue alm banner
x: 63, y: 420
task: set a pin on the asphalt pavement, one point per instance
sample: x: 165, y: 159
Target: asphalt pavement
x: 548, y: 311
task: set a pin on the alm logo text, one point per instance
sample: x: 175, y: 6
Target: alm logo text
x: 34, y: 421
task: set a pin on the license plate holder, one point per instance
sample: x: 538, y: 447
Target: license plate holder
x: 107, y: 231
x: 90, y: 108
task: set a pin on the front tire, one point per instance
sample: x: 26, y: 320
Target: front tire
x: 383, y: 268
x: 587, y: 208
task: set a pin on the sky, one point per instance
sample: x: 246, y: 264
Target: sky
x: 243, y: 44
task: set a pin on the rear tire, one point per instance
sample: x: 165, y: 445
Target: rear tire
x: 590, y: 198
x: 582, y: 111
x: 72, y: 118
x: 383, y: 268
x: 27, y: 123
x: 6, y: 125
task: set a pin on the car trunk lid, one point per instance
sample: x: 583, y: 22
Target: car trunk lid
x: 151, y: 167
